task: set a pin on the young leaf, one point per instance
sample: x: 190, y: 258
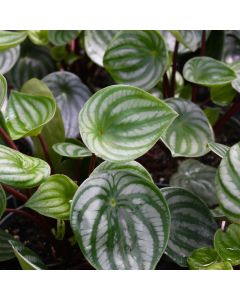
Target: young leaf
x: 208, y: 71
x: 191, y: 39
x: 52, y: 198
x: 20, y: 170
x: 227, y: 244
x: 6, y: 252
x: 197, y: 178
x: 137, y: 57
x: 3, y: 201
x: 222, y: 94
x: 3, y: 89
x: 228, y: 182
x: 96, y: 42
x: 70, y: 94
x: 121, y: 123
x: 62, y: 37
x: 9, y: 39
x: 38, y: 37
x: 212, y: 113
x: 26, y: 114
x: 219, y: 149
x: 121, y: 221
x: 8, y: 58
x: 192, y: 224
x: 190, y: 132
x: 71, y: 150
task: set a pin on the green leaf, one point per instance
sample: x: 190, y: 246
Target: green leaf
x: 217, y: 212
x: 62, y: 37
x: 192, y: 224
x: 38, y: 37
x: 121, y: 123
x: 228, y: 182
x: 26, y: 114
x: 222, y: 94
x: 219, y: 149
x: 207, y: 259
x: 121, y: 221
x: 70, y: 94
x: 52, y: 198
x: 8, y: 58
x: 6, y: 252
x: 197, y: 178
x: 191, y: 39
x: 59, y: 53
x: 132, y: 167
x: 190, y: 132
x: 96, y: 42
x: 227, y: 244
x: 71, y: 150
x: 20, y: 170
x: 3, y: 89
x: 212, y: 113
x: 208, y: 71
x: 3, y: 201
x: 9, y: 39
x: 236, y: 83
x: 27, y: 259
x: 137, y: 57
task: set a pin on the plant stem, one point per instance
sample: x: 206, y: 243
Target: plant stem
x: 166, y: 86
x: 8, y: 139
x: 92, y: 164
x: 20, y: 196
x: 203, y: 47
x: 45, y: 150
x: 174, y: 69
x: 194, y: 92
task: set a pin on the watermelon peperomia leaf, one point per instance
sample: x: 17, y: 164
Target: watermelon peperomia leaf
x: 8, y: 58
x: 9, y: 39
x: 62, y: 37
x: 219, y: 149
x: 3, y: 201
x: 71, y: 150
x: 3, y: 89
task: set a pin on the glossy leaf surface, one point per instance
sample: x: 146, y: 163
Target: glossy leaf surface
x: 9, y: 39
x: 219, y: 149
x: 3, y: 201
x: 222, y: 94
x: 62, y: 37
x: 71, y: 150
x: 8, y: 58
x: 3, y: 89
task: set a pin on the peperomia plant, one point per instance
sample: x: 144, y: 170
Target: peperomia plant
x: 119, y: 150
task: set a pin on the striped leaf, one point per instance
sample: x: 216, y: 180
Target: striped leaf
x: 137, y: 57
x: 208, y: 71
x: 96, y: 42
x: 190, y: 133
x: 191, y: 39
x: 3, y: 89
x: 70, y: 94
x: 6, y: 252
x: 121, y: 123
x: 222, y: 95
x: 227, y: 244
x: 62, y: 37
x: 228, y: 182
x: 20, y: 170
x: 9, y: 39
x: 27, y: 259
x: 52, y: 198
x: 8, y: 58
x: 192, y: 224
x: 121, y: 221
x: 236, y: 82
x: 132, y: 167
x: 71, y: 150
x: 26, y: 114
x: 197, y: 178
x: 3, y: 201
x: 207, y: 259
x: 38, y: 37
x: 219, y: 149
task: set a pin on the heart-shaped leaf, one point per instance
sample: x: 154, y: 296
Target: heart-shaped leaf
x: 71, y: 150
x: 62, y: 37
x: 96, y: 42
x: 192, y: 224
x: 208, y: 71
x: 228, y: 182
x: 52, y: 198
x: 137, y: 57
x: 129, y: 167
x: 3, y: 201
x: 70, y: 94
x: 26, y: 114
x: 9, y: 39
x: 3, y: 89
x: 190, y: 133
x: 121, y: 221
x: 121, y: 123
x: 222, y: 94
x: 6, y: 252
x: 197, y: 178
x: 191, y: 39
x: 8, y: 58
x: 20, y: 170
x: 207, y: 259
x: 27, y: 259
x: 219, y: 149
x: 38, y: 37
x: 227, y: 244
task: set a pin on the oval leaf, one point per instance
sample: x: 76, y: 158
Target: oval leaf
x: 192, y: 224
x: 197, y: 178
x: 208, y: 71
x: 3, y: 89
x: 52, y: 198
x: 9, y: 39
x: 120, y: 221
x: 219, y: 149
x: 8, y: 58
x: 137, y: 57
x: 190, y: 133
x: 121, y: 123
x: 71, y: 150
x: 20, y: 170
x: 70, y: 94
x: 6, y: 252
x: 62, y: 37
x: 26, y: 114
x: 3, y: 201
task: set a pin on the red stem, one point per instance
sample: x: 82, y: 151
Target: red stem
x: 7, y: 139
x: 174, y: 68
x: 92, y: 164
x: 20, y: 196
x: 45, y: 150
x: 194, y: 92
x: 166, y: 86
